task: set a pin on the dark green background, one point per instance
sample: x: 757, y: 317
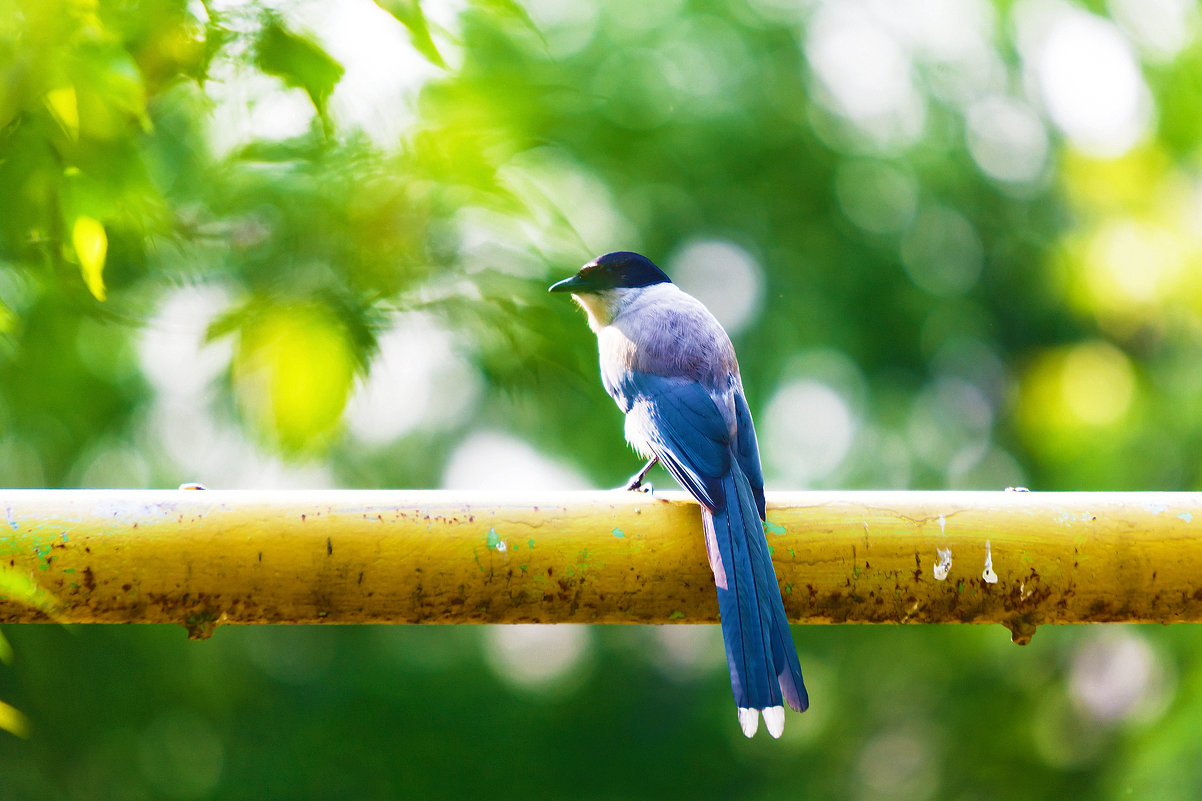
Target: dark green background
x: 968, y: 273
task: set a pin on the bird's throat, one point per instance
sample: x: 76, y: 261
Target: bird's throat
x: 600, y: 307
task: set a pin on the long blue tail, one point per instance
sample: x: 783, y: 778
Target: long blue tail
x: 759, y: 648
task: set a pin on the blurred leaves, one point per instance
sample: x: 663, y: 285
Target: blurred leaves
x: 16, y: 586
x: 409, y: 13
x: 298, y: 61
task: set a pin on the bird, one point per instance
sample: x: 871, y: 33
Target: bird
x: 670, y: 367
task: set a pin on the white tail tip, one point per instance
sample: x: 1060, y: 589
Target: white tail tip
x: 749, y: 719
x: 774, y: 719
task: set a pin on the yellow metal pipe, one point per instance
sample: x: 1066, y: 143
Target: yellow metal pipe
x: 201, y: 558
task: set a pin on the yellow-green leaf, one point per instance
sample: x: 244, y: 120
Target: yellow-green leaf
x: 17, y: 586
x: 293, y: 371
x: 11, y: 720
x: 91, y: 246
x: 64, y: 107
x: 8, y: 320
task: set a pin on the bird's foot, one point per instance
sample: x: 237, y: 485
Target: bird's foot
x: 635, y: 484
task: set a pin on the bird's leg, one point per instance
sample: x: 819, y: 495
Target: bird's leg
x: 636, y: 481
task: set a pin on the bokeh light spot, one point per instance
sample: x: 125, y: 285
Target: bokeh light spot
x: 951, y: 419
x: 489, y: 460
x: 1007, y: 139
x: 1097, y: 383
x: 417, y: 378
x: 723, y: 276
x: 878, y: 197
x: 683, y: 653
x: 864, y: 73
x: 1130, y: 265
x: 181, y: 756
x: 1065, y: 390
x: 1062, y: 738
x: 1087, y: 75
x: 941, y: 252
x: 292, y: 654
x: 1161, y: 28
x: 898, y: 764
x: 1116, y: 677
x: 566, y: 25
x: 808, y: 431
x: 383, y: 72
x: 173, y: 350
x: 542, y: 659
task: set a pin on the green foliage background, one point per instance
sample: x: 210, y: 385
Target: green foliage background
x: 211, y: 251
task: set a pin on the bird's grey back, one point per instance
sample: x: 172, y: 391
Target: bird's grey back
x: 665, y: 331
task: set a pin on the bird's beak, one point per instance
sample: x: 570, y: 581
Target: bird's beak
x: 573, y: 284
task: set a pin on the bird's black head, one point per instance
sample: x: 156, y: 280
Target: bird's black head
x: 620, y: 270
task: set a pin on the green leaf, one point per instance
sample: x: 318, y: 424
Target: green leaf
x: 409, y: 13
x: 298, y: 62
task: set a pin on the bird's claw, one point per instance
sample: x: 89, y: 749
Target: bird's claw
x: 635, y: 484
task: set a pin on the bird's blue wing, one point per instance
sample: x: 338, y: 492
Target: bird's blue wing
x: 678, y: 421
x: 748, y: 451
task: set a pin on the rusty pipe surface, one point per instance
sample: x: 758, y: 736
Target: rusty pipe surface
x: 202, y: 558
